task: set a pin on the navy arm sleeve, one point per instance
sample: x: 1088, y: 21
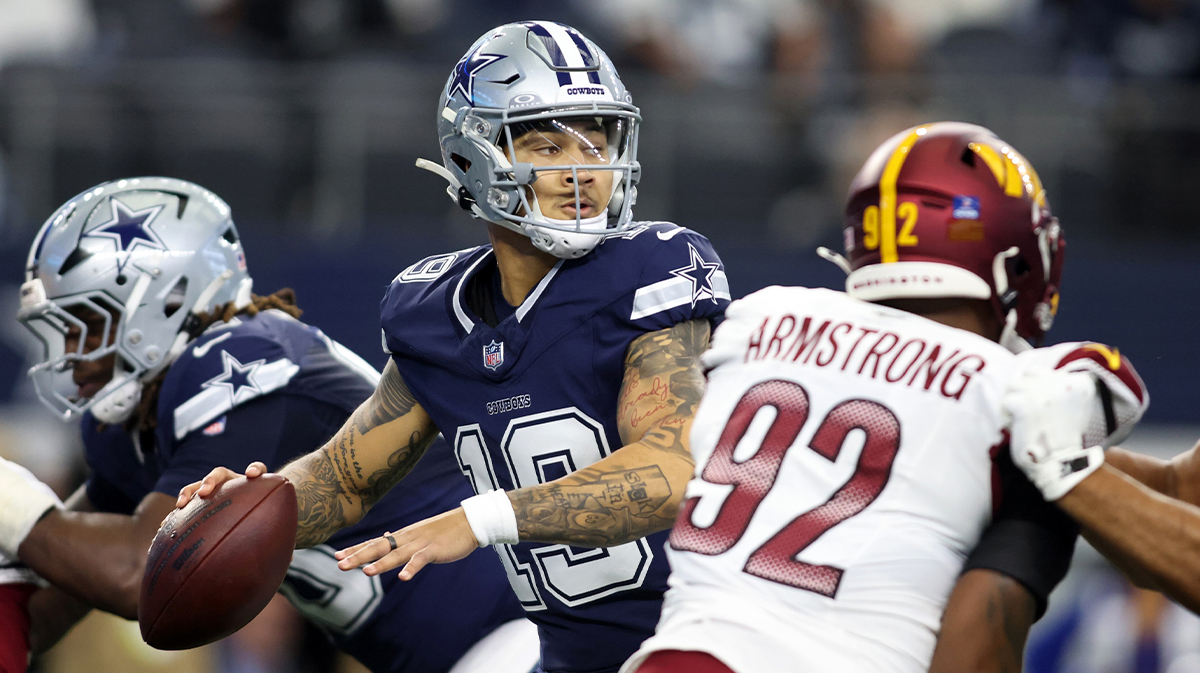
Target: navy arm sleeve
x: 273, y: 429
x: 1029, y: 540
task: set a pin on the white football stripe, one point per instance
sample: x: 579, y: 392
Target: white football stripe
x: 211, y: 402
x: 667, y: 294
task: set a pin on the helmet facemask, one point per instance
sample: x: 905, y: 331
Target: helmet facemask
x: 588, y: 148
x: 124, y: 271
x: 77, y: 333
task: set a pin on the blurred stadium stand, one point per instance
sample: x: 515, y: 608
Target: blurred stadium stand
x: 316, y: 160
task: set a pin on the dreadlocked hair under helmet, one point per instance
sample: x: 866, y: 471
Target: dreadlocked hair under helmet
x: 145, y: 417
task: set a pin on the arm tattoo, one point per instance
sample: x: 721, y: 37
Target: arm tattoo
x: 602, y: 509
x: 320, y: 499
x: 391, y: 400
x: 662, y: 374
x: 333, y: 487
x: 400, y: 463
x: 597, y: 508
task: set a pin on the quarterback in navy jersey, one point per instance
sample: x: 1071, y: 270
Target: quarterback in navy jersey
x: 247, y: 381
x: 560, y: 361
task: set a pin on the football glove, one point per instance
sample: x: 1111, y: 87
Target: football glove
x: 1048, y: 412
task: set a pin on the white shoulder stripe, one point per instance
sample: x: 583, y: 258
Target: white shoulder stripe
x: 210, y: 403
x: 667, y: 294
x: 352, y: 361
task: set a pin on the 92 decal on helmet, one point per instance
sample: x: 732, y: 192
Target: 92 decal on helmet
x: 950, y: 210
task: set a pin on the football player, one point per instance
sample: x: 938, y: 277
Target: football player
x: 1115, y: 495
x: 561, y: 359
x: 851, y: 446
x: 140, y: 293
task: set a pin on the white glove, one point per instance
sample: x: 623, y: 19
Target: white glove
x: 1048, y: 412
x: 23, y: 501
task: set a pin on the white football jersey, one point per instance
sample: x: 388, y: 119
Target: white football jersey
x: 843, y: 473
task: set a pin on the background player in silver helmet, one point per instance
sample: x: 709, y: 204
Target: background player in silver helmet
x: 561, y: 358
x: 140, y: 291
x: 835, y: 543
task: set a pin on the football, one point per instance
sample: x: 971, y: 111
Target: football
x: 217, y: 562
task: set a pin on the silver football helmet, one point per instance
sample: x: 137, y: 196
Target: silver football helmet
x: 528, y: 77
x: 143, y: 257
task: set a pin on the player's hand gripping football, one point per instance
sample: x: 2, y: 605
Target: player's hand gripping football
x: 218, y: 476
x: 444, y: 538
x: 1049, y: 411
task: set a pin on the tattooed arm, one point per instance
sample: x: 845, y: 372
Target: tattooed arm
x: 985, y: 625
x: 636, y: 490
x: 338, y: 483
x: 631, y: 493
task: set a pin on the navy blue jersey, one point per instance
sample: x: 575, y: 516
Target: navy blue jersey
x: 535, y: 398
x: 271, y: 388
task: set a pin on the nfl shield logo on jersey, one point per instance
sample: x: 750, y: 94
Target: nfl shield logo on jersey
x: 493, y: 355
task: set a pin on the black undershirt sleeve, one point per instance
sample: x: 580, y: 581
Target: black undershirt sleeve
x: 1029, y: 540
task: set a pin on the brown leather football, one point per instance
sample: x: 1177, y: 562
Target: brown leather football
x: 217, y: 562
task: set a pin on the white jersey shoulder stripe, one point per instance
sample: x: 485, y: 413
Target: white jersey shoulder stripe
x: 218, y: 397
x: 351, y: 360
x: 667, y: 294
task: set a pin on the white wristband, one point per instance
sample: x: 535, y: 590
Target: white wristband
x: 492, y: 518
x: 23, y: 500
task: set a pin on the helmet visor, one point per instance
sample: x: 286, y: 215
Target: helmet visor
x: 569, y: 167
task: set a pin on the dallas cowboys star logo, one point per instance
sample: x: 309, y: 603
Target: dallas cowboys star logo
x: 129, y: 228
x: 464, y: 73
x: 700, y: 274
x: 237, y: 378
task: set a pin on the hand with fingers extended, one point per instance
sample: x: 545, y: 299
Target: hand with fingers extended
x: 218, y: 476
x: 444, y: 538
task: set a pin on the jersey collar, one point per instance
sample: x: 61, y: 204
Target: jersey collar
x: 468, y: 322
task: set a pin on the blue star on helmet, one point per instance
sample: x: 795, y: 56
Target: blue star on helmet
x: 237, y: 378
x: 463, y: 80
x: 700, y: 274
x: 129, y: 228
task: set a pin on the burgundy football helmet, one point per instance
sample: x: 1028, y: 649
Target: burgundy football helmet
x: 950, y: 210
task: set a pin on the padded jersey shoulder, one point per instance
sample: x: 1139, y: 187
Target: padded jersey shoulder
x: 231, y: 364
x: 421, y: 293
x: 660, y: 274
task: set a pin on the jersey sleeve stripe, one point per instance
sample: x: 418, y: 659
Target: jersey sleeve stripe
x: 667, y: 294
x: 210, y: 403
x: 352, y: 361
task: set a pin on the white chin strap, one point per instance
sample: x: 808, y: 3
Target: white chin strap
x: 561, y: 244
x: 566, y: 244
x: 118, y: 399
